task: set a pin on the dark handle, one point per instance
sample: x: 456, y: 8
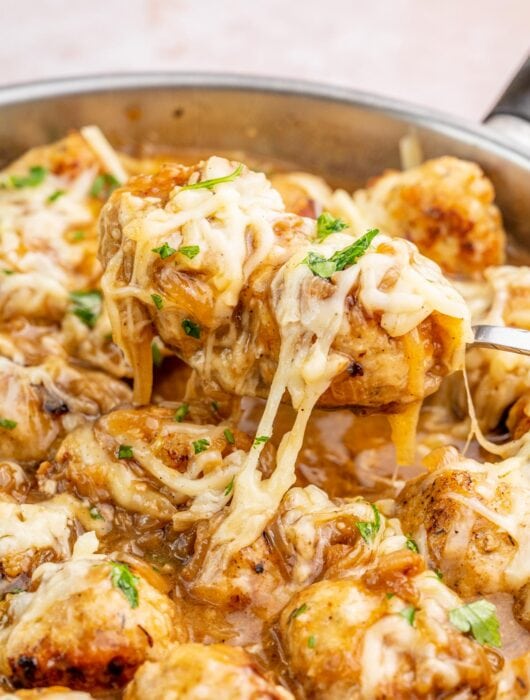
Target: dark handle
x: 516, y: 98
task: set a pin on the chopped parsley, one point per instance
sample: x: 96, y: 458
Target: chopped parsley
x: 328, y: 224
x: 209, y: 184
x: 190, y: 251
x: 78, y: 235
x: 389, y: 596
x: 408, y: 613
x: 55, y: 196
x: 230, y: 487
x: 311, y: 641
x: 479, y: 618
x: 191, y: 329
x: 124, y: 579
x: 298, y: 611
x: 439, y: 575
x: 86, y: 306
x: 157, y: 300
x: 104, y: 185
x: 156, y: 354
x: 165, y: 250
x: 215, y: 406
x: 182, y: 412
x: 35, y: 177
x: 260, y: 440
x: 369, y: 530
x: 95, y: 514
x: 229, y: 435
x: 411, y: 544
x: 8, y: 272
x: 125, y: 452
x: 200, y: 445
x: 341, y: 259
x: 8, y: 424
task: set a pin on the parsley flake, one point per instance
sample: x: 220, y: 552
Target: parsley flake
x: 86, y: 306
x: 156, y: 354
x: 311, y: 641
x: 35, y: 177
x: 341, y: 259
x: 479, y: 618
x: 260, y: 440
x: 409, y: 613
x: 181, y: 412
x: 157, y: 300
x: 125, y: 452
x: 191, y: 329
x: 369, y: 530
x: 230, y: 487
x: 200, y: 445
x: 190, y: 251
x: 164, y: 250
x: 229, y: 435
x: 78, y: 235
x: 124, y: 579
x: 298, y: 611
x: 104, y: 185
x: 55, y: 196
x: 411, y: 544
x: 8, y: 424
x: 328, y: 224
x: 209, y: 184
x: 94, y: 513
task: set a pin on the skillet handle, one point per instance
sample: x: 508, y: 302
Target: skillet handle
x: 511, y: 114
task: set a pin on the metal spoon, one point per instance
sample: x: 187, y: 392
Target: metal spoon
x: 502, y: 338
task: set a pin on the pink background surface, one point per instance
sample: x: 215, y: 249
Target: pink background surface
x: 454, y: 55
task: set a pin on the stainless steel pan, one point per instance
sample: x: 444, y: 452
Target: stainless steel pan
x: 344, y: 135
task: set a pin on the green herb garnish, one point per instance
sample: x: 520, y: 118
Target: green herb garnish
x: 479, y: 618
x: 181, y: 412
x: 55, y: 196
x: 191, y: 329
x: 328, y: 224
x: 369, y: 530
x: 208, y: 184
x: 229, y: 435
x: 411, y: 544
x: 165, y: 251
x: 78, y: 235
x: 215, y: 406
x: 124, y: 579
x: 8, y: 272
x: 200, y: 445
x: 156, y: 354
x: 311, y: 641
x: 408, y: 613
x: 230, y: 487
x: 8, y: 424
x: 157, y: 300
x: 104, y: 185
x: 326, y: 267
x: 125, y: 452
x: 260, y: 440
x: 95, y: 514
x: 34, y: 177
x: 86, y: 306
x: 298, y: 611
x: 190, y: 251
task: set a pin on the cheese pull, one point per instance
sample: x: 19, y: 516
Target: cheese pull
x: 206, y: 258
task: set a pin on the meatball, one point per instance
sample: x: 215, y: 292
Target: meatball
x: 87, y: 623
x: 351, y: 639
x: 153, y: 461
x: 41, y: 404
x: 445, y: 206
x: 469, y: 520
x: 198, y: 672
x: 234, y: 286
x: 49, y: 204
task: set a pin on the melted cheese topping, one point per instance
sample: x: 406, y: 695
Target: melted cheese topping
x: 391, y: 281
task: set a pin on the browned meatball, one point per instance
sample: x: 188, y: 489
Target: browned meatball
x: 198, y: 672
